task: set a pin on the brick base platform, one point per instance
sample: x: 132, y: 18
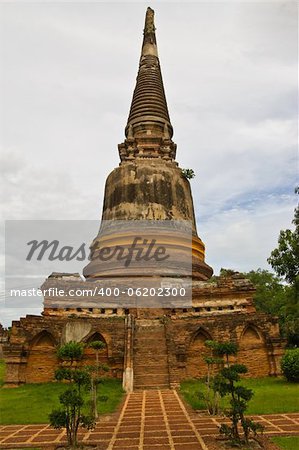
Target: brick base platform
x: 152, y: 419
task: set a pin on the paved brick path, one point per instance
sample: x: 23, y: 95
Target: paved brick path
x: 148, y: 420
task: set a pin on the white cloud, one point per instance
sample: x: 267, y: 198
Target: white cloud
x: 230, y: 74
x: 242, y: 238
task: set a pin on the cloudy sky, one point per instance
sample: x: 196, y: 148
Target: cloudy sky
x: 68, y: 72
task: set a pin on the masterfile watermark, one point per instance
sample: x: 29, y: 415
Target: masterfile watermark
x: 127, y: 264
x: 140, y: 249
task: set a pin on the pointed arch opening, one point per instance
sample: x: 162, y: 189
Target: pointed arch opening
x: 196, y: 367
x: 90, y: 354
x: 250, y: 335
x: 43, y: 339
x: 253, y: 352
x: 42, y: 358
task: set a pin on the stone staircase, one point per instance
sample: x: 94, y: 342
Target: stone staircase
x: 150, y: 359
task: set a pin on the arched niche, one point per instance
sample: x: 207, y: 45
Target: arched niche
x: 90, y: 353
x: 196, y: 367
x: 42, y: 358
x: 253, y: 352
x: 43, y: 339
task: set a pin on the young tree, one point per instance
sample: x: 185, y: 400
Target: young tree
x: 219, y: 350
x: 227, y: 384
x: 70, y: 416
x: 95, y: 370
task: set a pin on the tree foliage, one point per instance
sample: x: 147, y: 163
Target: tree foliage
x: 285, y: 262
x: 188, y: 173
x: 70, y: 415
x: 270, y: 291
x: 71, y: 351
x: 290, y: 364
x: 285, y: 258
x: 95, y: 371
x: 227, y: 382
x: 275, y: 297
x: 218, y: 351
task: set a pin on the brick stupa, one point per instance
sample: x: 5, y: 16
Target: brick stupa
x: 148, y: 348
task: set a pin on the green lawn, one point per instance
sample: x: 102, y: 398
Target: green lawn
x: 271, y: 395
x: 32, y: 403
x: 287, y: 442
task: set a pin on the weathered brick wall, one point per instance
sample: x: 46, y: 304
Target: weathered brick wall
x: 256, y: 335
x: 253, y: 353
x: 196, y: 367
x: 41, y: 360
x: 31, y: 353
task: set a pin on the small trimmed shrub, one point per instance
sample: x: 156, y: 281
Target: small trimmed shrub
x: 290, y: 364
x: 70, y: 415
x: 227, y: 381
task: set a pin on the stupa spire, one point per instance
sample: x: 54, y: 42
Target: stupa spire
x: 148, y: 130
x: 149, y: 45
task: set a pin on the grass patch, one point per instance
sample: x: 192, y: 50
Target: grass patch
x: 32, y: 403
x: 271, y: 395
x: 287, y: 442
x: 2, y: 371
x: 113, y: 390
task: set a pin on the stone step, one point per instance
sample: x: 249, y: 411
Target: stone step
x: 150, y: 358
x: 141, y: 337
x: 151, y: 386
x: 153, y: 377
x: 152, y: 342
x: 141, y: 347
x: 151, y: 369
x: 151, y: 366
x: 149, y: 351
x: 145, y: 343
x: 150, y: 355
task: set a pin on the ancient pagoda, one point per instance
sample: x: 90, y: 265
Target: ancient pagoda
x: 146, y: 347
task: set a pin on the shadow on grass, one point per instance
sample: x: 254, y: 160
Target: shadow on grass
x: 271, y: 395
x: 32, y: 403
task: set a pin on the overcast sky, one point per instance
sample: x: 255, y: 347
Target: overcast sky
x: 230, y: 73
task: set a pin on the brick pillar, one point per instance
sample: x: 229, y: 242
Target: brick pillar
x: 128, y: 357
x: 15, y: 361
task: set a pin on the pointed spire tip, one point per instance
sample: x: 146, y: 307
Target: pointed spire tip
x: 149, y: 26
x: 149, y: 45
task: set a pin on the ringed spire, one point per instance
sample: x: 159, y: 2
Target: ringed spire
x: 149, y: 123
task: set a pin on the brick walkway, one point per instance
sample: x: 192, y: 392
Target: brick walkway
x: 148, y: 420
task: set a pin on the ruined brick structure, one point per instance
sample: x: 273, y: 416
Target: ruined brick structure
x: 3, y: 339
x: 148, y: 347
